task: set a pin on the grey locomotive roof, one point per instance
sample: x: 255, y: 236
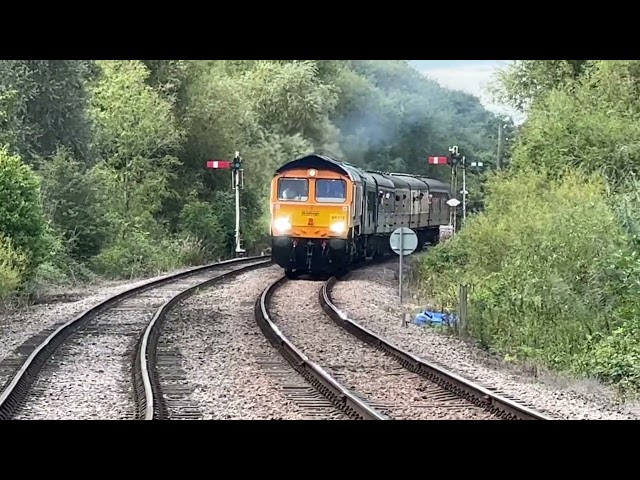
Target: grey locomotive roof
x: 382, y: 181
x: 414, y: 183
x: 397, y: 180
x: 368, y: 177
x: 355, y: 173
x: 436, y: 185
x: 319, y: 162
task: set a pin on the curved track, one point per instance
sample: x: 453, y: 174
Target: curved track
x: 148, y: 392
x: 318, y: 377
x: 378, y: 381
x: 105, y: 319
x: 212, y: 348
x: 498, y: 405
x: 384, y: 382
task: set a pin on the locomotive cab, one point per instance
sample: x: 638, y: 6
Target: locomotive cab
x: 304, y: 202
x: 311, y: 202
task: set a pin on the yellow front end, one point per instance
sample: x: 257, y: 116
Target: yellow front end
x: 311, y: 204
x: 310, y: 221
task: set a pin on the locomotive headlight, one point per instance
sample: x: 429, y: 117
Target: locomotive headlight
x: 282, y: 224
x: 338, y: 227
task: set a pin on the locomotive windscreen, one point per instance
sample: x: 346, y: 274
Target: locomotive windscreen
x: 293, y: 189
x: 334, y: 190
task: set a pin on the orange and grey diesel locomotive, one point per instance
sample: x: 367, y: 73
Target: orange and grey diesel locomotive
x: 327, y: 214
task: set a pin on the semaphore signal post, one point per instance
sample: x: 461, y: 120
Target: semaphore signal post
x: 454, y: 160
x: 237, y: 184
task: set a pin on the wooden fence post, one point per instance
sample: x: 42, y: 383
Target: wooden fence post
x: 462, y: 307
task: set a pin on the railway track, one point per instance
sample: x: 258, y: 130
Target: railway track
x: 343, y: 399
x: 153, y: 396
x: 212, y: 361
x: 105, y: 338
x: 363, y: 374
x: 499, y: 405
x: 130, y: 324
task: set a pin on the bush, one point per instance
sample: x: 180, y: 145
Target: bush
x: 21, y: 217
x: 59, y: 267
x: 614, y: 357
x: 141, y: 255
x: 200, y: 220
x: 552, y: 273
x: 69, y: 196
x: 12, y: 264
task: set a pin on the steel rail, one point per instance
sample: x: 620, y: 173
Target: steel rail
x: 472, y: 391
x: 20, y: 383
x: 318, y: 377
x: 147, y: 387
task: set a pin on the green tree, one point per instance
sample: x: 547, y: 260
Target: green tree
x: 12, y: 263
x: 70, y: 201
x: 136, y: 137
x: 21, y: 217
x: 553, y: 258
x: 525, y: 82
x: 46, y: 107
x: 593, y: 127
x: 290, y: 99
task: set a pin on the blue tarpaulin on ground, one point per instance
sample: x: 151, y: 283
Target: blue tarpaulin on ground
x: 434, y: 318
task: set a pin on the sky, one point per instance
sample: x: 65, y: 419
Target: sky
x: 470, y: 76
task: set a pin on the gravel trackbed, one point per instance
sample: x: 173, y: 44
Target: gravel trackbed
x: 366, y: 371
x: 233, y: 369
x: 370, y: 297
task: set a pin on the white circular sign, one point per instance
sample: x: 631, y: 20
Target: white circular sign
x: 454, y: 202
x: 409, y: 241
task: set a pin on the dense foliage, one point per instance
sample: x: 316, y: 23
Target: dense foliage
x: 553, y: 261
x: 21, y: 220
x: 104, y: 166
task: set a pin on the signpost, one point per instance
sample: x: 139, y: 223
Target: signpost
x: 403, y: 241
x: 454, y: 202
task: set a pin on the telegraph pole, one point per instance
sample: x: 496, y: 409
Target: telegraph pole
x: 452, y: 163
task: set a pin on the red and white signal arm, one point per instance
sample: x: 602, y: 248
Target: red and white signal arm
x: 437, y: 160
x: 218, y: 164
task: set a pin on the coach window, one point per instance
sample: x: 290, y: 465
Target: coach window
x: 296, y: 189
x: 331, y: 190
